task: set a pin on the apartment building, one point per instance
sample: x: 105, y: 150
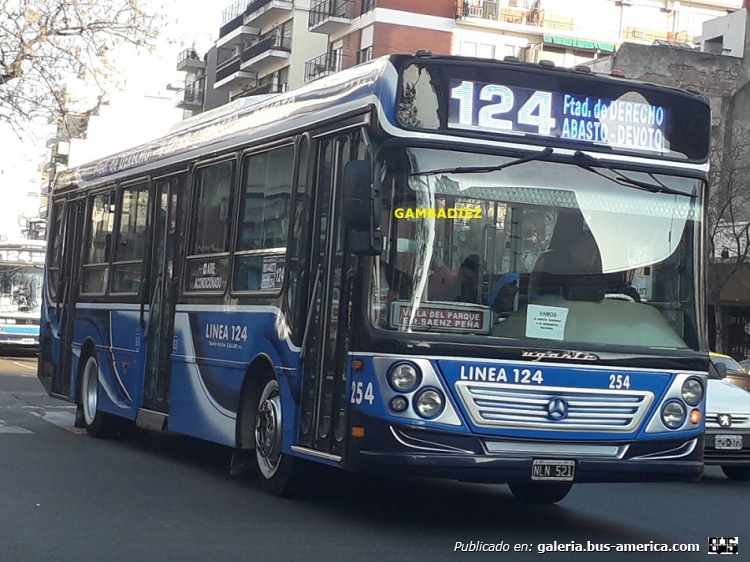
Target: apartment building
x: 269, y: 46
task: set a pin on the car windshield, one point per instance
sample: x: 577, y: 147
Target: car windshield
x: 536, y: 251
x: 728, y: 362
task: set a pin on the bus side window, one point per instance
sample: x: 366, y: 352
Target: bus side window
x: 264, y: 219
x: 96, y: 260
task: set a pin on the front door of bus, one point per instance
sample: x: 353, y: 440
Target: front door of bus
x: 324, y: 404
x: 160, y: 325
x: 67, y: 291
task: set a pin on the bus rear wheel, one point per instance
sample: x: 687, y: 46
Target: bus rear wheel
x: 97, y: 423
x: 741, y: 473
x: 280, y: 474
x: 540, y: 492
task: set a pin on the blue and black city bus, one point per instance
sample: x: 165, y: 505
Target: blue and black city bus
x: 423, y: 265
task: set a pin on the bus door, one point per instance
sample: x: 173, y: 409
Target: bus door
x: 67, y: 292
x: 325, y: 344
x: 162, y: 294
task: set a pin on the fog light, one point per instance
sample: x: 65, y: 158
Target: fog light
x: 399, y: 404
x: 673, y: 414
x: 692, y: 391
x: 429, y: 403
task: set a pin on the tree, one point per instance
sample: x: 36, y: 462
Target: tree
x: 728, y: 219
x: 46, y: 43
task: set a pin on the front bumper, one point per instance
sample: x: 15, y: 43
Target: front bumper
x: 737, y: 457
x: 401, y: 450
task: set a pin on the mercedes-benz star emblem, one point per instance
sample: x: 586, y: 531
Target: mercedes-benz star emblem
x: 725, y: 420
x: 557, y: 409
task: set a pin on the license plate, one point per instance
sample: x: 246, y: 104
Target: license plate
x: 728, y: 442
x: 28, y: 341
x: 553, y: 470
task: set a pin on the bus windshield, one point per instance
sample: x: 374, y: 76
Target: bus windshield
x: 537, y: 251
x: 20, y: 288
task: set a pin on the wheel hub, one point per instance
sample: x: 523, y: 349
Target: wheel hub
x: 268, y: 429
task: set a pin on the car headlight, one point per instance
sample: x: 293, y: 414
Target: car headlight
x: 403, y: 377
x: 429, y: 403
x: 673, y: 414
x: 692, y: 391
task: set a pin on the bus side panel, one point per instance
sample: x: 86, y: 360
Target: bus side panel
x: 117, y: 386
x: 210, y: 359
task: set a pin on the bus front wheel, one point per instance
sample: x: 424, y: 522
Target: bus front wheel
x: 280, y: 474
x: 97, y: 424
x: 540, y: 492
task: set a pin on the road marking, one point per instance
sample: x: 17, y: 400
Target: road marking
x: 12, y: 428
x: 22, y: 365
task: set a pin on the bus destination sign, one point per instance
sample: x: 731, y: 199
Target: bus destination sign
x: 630, y: 123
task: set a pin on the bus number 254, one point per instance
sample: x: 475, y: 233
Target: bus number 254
x: 619, y: 381
x: 361, y: 393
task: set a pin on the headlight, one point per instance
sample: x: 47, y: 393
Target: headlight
x: 692, y: 391
x: 403, y: 377
x: 673, y: 414
x: 429, y: 403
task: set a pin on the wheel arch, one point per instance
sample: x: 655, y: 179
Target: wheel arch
x: 258, y: 373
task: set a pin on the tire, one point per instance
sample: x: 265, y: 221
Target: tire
x: 741, y: 473
x: 98, y: 424
x: 540, y: 492
x: 280, y: 475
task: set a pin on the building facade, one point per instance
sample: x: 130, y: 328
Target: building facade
x: 268, y: 46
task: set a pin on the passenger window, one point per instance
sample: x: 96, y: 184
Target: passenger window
x: 56, y: 243
x: 99, y: 243
x: 264, y: 220
x: 130, y: 248
x: 213, y: 208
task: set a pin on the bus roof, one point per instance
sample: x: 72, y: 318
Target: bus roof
x: 256, y: 118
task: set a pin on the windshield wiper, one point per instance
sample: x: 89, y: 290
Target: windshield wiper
x: 485, y: 169
x: 586, y: 162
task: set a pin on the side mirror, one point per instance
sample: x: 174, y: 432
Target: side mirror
x: 720, y: 368
x: 359, y: 196
x: 361, y: 208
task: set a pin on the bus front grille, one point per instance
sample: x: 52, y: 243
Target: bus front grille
x: 498, y: 405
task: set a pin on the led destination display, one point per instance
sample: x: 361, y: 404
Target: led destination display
x: 630, y: 123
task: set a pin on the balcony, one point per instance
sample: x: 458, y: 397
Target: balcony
x: 330, y: 16
x: 266, y: 52
x: 189, y: 61
x: 260, y: 13
x: 323, y: 66
x: 238, y: 36
x: 494, y: 11
x: 230, y: 76
x: 266, y: 89
x: 190, y: 97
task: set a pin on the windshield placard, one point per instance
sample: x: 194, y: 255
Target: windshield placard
x: 499, y: 108
x: 448, y: 317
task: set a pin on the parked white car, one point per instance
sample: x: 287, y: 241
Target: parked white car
x: 728, y: 429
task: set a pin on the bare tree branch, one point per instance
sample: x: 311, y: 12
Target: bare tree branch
x: 43, y: 43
